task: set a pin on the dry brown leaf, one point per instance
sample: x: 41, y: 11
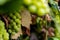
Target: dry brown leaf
x: 26, y: 18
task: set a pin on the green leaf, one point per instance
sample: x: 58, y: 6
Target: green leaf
x: 12, y: 6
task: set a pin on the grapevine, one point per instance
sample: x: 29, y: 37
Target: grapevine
x: 29, y: 20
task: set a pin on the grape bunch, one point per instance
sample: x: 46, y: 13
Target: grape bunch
x: 3, y: 33
x: 14, y: 23
x: 39, y: 7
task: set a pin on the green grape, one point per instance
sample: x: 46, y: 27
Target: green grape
x: 38, y: 4
x: 32, y: 8
x: 16, y: 28
x: 14, y: 17
x: 9, y: 31
x: 18, y: 15
x: 47, y: 10
x: 27, y: 2
x: 0, y: 35
x: 1, y: 38
x: 44, y: 5
x: 10, y: 15
x: 14, y: 23
x: 1, y: 23
x: 34, y: 2
x: 43, y: 1
x: 5, y: 37
x: 41, y: 12
x: 11, y: 21
x: 17, y: 21
x: 19, y: 26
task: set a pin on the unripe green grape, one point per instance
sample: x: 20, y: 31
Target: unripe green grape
x: 14, y: 17
x: 27, y: 2
x: 1, y: 38
x: 44, y: 5
x: 1, y: 23
x: 17, y: 29
x: 17, y: 21
x: 11, y: 21
x: 47, y: 10
x: 43, y: 1
x: 19, y: 26
x: 34, y: 2
x: 38, y: 4
x: 6, y: 36
x: 18, y: 16
x: 14, y: 23
x: 32, y: 8
x: 41, y: 12
x: 5, y: 39
x: 10, y: 31
x: 0, y: 35
x: 10, y: 15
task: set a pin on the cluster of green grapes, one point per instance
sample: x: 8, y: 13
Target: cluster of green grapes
x: 3, y: 33
x: 40, y: 7
x: 15, y: 23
